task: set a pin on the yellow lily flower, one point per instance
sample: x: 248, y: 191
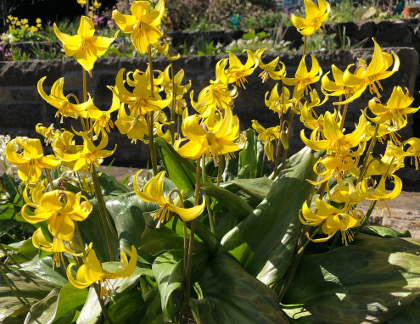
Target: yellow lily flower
x: 180, y: 89
x: 86, y: 46
x: 413, y: 150
x: 348, y: 193
x: 31, y: 160
x: 58, y: 100
x: 335, y: 140
x: 153, y: 193
x: 92, y: 271
x: 89, y: 156
x: 102, y: 119
x: 164, y: 50
x: 140, y: 101
x: 303, y: 79
x: 337, y: 87
x: 60, y: 209
x: 50, y: 133
x: 333, y: 166
x: 142, y: 24
x: 58, y: 247
x: 212, y: 140
x: 269, y: 69
x: 82, y: 3
x: 369, y: 75
x: 332, y: 220
x: 380, y: 194
x: 135, y: 126
x: 395, y: 112
x: 96, y: 4
x: 237, y: 72
x: 315, y: 16
x: 279, y: 103
x: 266, y: 136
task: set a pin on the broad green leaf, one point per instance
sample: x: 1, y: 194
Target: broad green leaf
x: 168, y: 269
x: 248, y: 162
x: 92, y: 231
x: 26, y: 252
x: 408, y: 315
x: 28, y: 289
x: 127, y: 212
x: 152, y: 308
x: 43, y: 311
x: 258, y: 187
x: 369, y: 281
x: 43, y: 268
x: 111, y: 186
x: 381, y: 231
x: 70, y: 298
x: 228, y: 199
x: 231, y: 169
x: 180, y: 170
x: 91, y: 311
x: 265, y: 241
x: 228, y: 294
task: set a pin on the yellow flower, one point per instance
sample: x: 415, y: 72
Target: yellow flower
x: 413, y: 150
x: 303, y: 78
x: 380, y: 194
x: 213, y: 140
x: 142, y: 24
x: 369, y: 75
x: 60, y: 209
x: 168, y: 82
x: 315, y: 16
x: 333, y: 166
x: 237, y: 72
x: 335, y: 140
x: 96, y: 4
x: 102, y: 119
x: 134, y: 125
x: 58, y: 246
x: 140, y: 101
x: 337, y: 87
x: 332, y: 220
x: 395, y: 112
x: 58, y: 100
x: 86, y: 46
x: 31, y: 160
x: 81, y: 2
x: 266, y: 136
x: 92, y: 271
x: 164, y: 50
x: 153, y: 193
x: 89, y: 156
x: 269, y: 69
x: 279, y: 103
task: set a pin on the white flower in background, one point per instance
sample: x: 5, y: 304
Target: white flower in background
x: 5, y: 166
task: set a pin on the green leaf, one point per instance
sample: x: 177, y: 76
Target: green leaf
x: 43, y: 269
x: 27, y: 286
x: 127, y: 212
x: 380, y: 231
x: 43, y: 311
x: 168, y: 269
x: 258, y: 187
x: 230, y: 295
x: 264, y: 242
x: 111, y: 186
x: 408, y: 315
x: 25, y: 253
x: 91, y: 311
x: 248, y: 162
x: 371, y: 280
x: 152, y: 308
x: 180, y: 170
x: 228, y: 199
x: 70, y: 299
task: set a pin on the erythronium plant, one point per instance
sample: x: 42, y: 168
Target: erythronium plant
x: 212, y: 234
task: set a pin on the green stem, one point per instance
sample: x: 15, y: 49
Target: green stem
x: 173, y: 106
x: 295, y: 262
x: 343, y: 117
x: 191, y: 247
x: 50, y: 180
x: 207, y: 198
x: 289, y: 132
x: 304, y: 45
x: 96, y: 286
x: 369, y: 151
x: 279, y: 146
x: 106, y: 222
x: 151, y: 116
x: 6, y: 279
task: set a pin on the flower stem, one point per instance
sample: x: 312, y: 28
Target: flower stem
x: 151, y: 116
x: 190, y: 247
x: 101, y: 303
x: 207, y: 198
x: 173, y: 106
x: 368, y: 213
x: 50, y: 180
x: 369, y: 151
x: 289, y: 131
x: 106, y: 222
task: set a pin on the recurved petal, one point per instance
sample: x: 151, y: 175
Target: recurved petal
x: 188, y: 214
x: 86, y: 27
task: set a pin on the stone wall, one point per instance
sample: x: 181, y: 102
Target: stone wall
x: 21, y: 107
